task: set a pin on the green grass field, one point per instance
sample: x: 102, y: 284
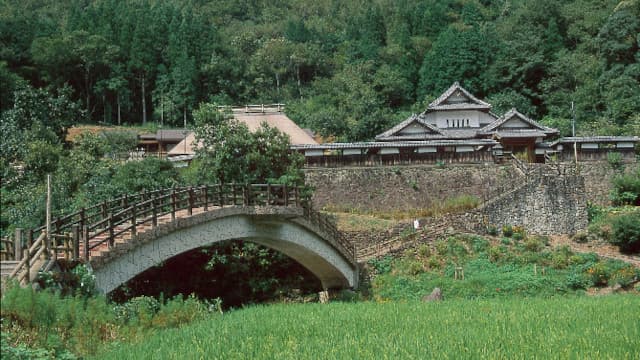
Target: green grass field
x: 560, y: 328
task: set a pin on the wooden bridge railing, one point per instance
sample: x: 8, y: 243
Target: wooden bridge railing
x: 103, y: 223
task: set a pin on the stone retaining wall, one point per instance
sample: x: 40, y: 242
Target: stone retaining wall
x: 401, y: 188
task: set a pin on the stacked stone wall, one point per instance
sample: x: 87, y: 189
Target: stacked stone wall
x: 401, y: 188
x: 597, y: 180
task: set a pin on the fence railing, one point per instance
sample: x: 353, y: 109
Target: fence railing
x: 73, y: 236
x: 337, y: 160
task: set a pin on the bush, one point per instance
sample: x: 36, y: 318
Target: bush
x: 599, y: 274
x: 382, y: 265
x: 576, y: 280
x: 626, y: 189
x: 138, y: 310
x: 581, y: 237
x: 479, y: 244
x: 424, y: 251
x: 626, y: 232
x: 507, y: 230
x: 492, y: 230
x: 178, y: 311
x: 518, y: 236
x: 533, y: 244
x: 625, y: 276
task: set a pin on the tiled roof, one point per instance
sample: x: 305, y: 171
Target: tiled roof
x: 509, y: 115
x: 519, y: 134
x: 438, y: 104
x: 391, y: 133
x: 606, y: 139
x: 375, y: 145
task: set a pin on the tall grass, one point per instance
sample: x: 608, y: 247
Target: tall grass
x: 579, y: 328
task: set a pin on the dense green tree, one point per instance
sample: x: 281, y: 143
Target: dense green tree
x: 229, y: 152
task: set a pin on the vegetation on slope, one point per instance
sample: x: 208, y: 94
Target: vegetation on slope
x: 471, y: 267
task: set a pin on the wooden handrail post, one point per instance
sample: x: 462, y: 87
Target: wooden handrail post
x: 83, y: 217
x: 76, y: 241
x: 268, y: 194
x: 190, y: 208
x: 220, y: 195
x: 286, y: 195
x: 85, y: 243
x: 104, y: 209
x: 154, y: 219
x: 46, y: 244
x: 297, y: 195
x: 29, y: 238
x: 133, y: 221
x: 17, y: 245
x: 233, y: 191
x: 110, y: 240
x: 206, y: 197
x: 245, y: 195
x: 28, y: 256
x: 173, y: 204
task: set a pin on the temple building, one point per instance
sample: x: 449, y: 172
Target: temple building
x: 459, y: 127
x: 458, y: 115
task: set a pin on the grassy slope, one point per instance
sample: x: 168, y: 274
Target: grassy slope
x: 568, y: 327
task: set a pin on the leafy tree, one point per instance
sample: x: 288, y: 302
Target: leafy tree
x: 229, y: 152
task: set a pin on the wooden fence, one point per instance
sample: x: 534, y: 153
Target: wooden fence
x: 475, y: 157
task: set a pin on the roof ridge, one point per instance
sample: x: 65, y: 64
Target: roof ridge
x: 407, y: 122
x: 456, y: 86
x: 509, y: 115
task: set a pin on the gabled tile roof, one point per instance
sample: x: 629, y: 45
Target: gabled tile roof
x: 393, y: 132
x: 440, y: 102
x: 399, y: 144
x: 514, y: 113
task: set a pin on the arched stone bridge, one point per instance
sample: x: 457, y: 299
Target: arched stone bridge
x: 124, y: 237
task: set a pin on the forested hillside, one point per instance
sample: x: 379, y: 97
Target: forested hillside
x: 344, y: 68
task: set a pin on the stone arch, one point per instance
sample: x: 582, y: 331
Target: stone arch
x: 289, y: 234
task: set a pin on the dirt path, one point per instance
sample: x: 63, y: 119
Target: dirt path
x: 602, y: 249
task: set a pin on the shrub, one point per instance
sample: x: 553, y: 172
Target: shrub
x: 625, y: 276
x: 576, y: 280
x: 382, y: 265
x: 505, y: 241
x: 518, y: 236
x: 581, y: 237
x: 507, y: 230
x: 615, y: 160
x: 178, y: 311
x: 424, y: 251
x: 441, y: 247
x: 533, y: 244
x: 433, y: 263
x: 626, y: 189
x: 495, y: 253
x: 138, y: 310
x: 492, y: 230
x: 599, y: 274
x: 479, y: 244
x: 626, y: 232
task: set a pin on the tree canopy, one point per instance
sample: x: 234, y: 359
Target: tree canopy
x: 345, y: 68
